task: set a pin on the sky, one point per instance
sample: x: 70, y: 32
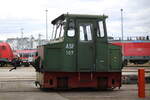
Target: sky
x: 30, y: 16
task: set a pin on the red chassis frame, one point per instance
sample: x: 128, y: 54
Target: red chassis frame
x: 79, y: 79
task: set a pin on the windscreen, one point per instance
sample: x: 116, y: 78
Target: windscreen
x: 58, y: 30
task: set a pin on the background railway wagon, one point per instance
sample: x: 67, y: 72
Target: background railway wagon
x: 137, y: 51
x: 27, y: 57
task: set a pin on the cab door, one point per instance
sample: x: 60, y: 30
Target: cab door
x: 85, y: 46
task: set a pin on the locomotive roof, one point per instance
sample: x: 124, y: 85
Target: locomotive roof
x: 63, y: 16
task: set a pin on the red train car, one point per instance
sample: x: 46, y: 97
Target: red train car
x: 137, y: 51
x: 27, y: 56
x: 6, y: 53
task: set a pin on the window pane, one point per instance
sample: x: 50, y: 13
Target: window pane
x: 101, y: 29
x: 85, y: 32
x: 62, y: 31
x: 81, y: 33
x: 89, y: 35
x: 53, y: 32
x: 58, y: 30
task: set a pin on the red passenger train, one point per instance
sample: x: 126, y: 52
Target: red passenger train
x: 8, y: 56
x: 135, y: 51
x: 6, y: 53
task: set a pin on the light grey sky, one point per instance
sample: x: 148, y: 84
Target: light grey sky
x: 30, y: 15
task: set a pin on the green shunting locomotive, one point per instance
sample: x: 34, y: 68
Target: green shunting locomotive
x: 79, y: 55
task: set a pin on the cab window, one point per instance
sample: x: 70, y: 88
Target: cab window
x: 85, y: 32
x: 100, y: 30
x: 58, y: 30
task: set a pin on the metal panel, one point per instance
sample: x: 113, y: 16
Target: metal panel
x: 101, y: 57
x: 115, y: 59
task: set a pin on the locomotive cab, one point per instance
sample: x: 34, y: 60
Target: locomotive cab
x: 79, y: 55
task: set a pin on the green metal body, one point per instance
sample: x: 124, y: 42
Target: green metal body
x: 72, y: 54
